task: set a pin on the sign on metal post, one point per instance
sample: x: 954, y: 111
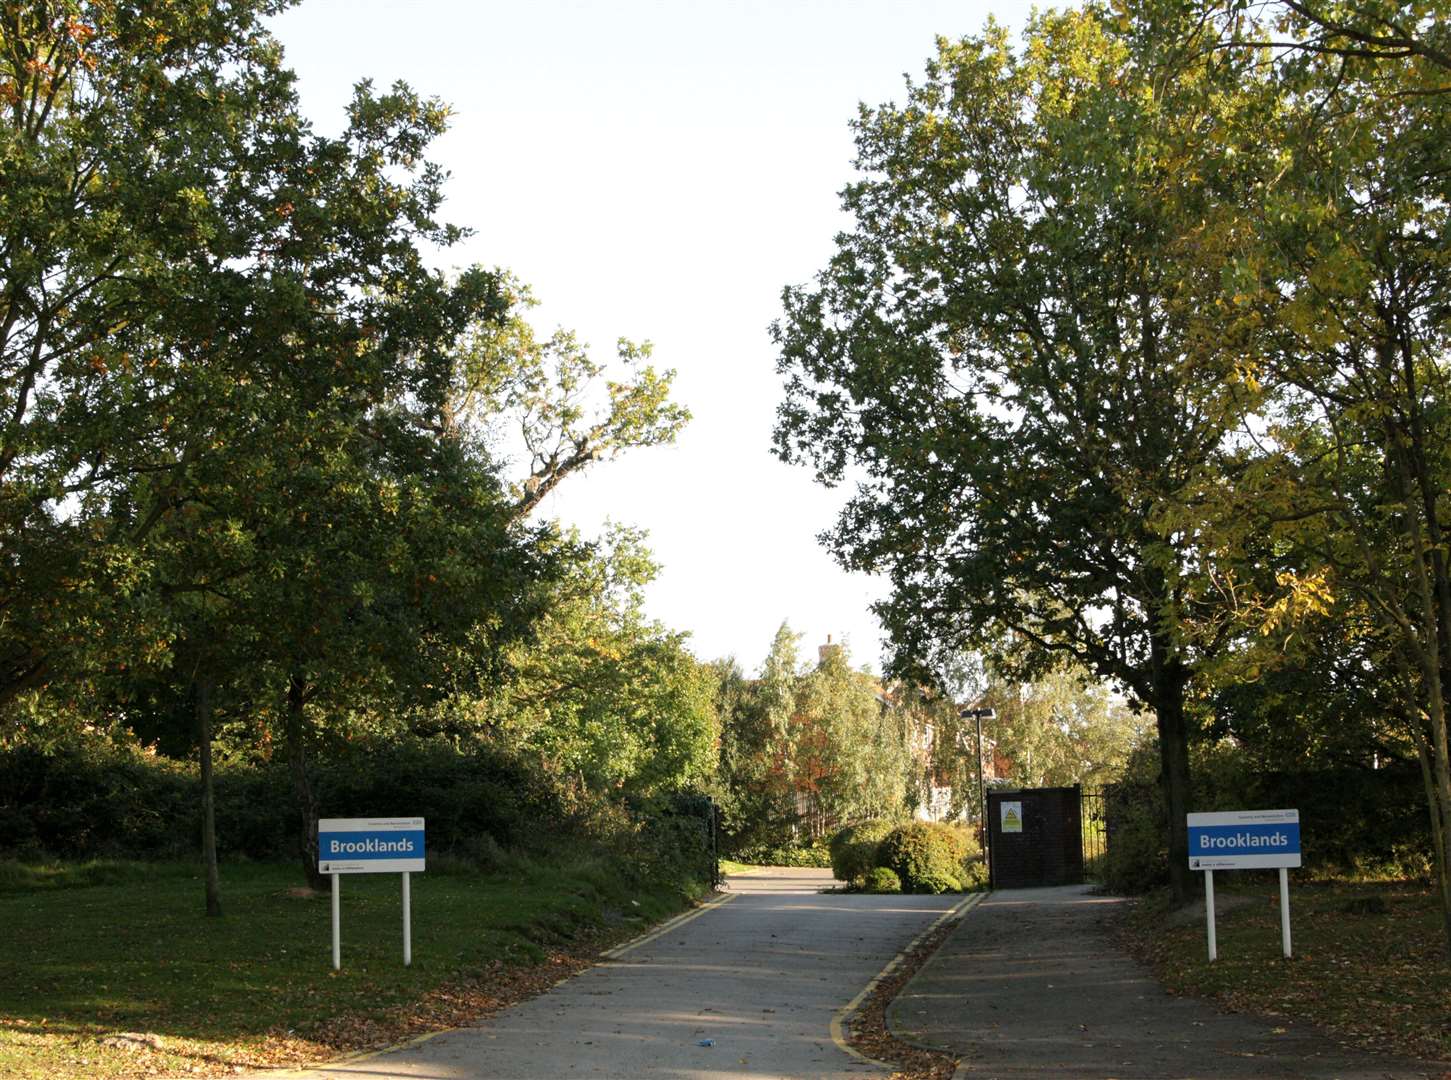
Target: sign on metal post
x: 371, y: 846
x: 1245, y: 840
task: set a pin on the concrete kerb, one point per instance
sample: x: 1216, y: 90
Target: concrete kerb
x: 846, y: 1012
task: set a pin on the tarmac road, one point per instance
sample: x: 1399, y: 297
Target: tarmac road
x: 760, y: 977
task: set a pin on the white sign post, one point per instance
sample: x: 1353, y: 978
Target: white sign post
x: 370, y: 846
x: 1245, y: 840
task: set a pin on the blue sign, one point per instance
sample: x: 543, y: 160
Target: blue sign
x: 369, y: 845
x: 1244, y: 840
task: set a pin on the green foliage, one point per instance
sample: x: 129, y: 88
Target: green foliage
x: 548, y: 402
x: 934, y: 883
x: 1340, y: 275
x: 802, y: 750
x: 1061, y: 729
x: 755, y: 720
x: 880, y: 879
x: 252, y: 477
x: 598, y: 694
x: 847, y: 753
x: 1357, y: 823
x: 110, y: 800
x: 927, y: 856
x: 756, y: 807
x: 1136, y: 859
x: 815, y: 854
x: 854, y: 849
x: 88, y: 801
x: 974, y: 876
x: 675, y: 841
x: 30, y: 877
x: 1327, y: 699
x: 1012, y: 354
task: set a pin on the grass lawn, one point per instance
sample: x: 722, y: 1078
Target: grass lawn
x: 730, y: 866
x: 93, y: 952
x: 1370, y: 959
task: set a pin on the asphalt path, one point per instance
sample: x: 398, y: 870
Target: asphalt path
x: 1032, y: 984
x: 748, y: 988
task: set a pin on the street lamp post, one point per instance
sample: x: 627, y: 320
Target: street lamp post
x: 980, y: 715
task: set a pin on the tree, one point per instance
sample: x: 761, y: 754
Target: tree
x: 1369, y: 30
x: 809, y: 748
x: 1349, y: 281
x: 1323, y: 693
x: 849, y: 751
x: 599, y: 694
x: 211, y: 324
x: 1013, y: 356
x: 758, y: 803
x: 1062, y: 729
x: 548, y: 403
x: 756, y: 809
x: 147, y: 153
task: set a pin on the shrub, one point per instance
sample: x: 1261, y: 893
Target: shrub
x: 881, y: 880
x: 924, y: 855
x: 1136, y: 859
x: 974, y: 875
x: 936, y: 883
x: 854, y: 849
x: 815, y: 854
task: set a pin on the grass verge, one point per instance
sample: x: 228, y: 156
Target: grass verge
x: 111, y: 969
x: 1369, y: 963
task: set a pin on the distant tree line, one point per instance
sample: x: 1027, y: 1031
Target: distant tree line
x: 808, y: 748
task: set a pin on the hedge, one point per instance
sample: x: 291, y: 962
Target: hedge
x: 109, y: 801
x: 1352, y: 821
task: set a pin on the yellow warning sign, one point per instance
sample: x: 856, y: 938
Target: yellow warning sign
x: 1012, y: 816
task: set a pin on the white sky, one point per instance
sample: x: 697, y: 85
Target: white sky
x: 659, y: 171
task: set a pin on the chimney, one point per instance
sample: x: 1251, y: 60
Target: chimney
x: 823, y: 651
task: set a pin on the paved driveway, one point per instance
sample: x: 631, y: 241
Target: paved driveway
x: 1032, y: 984
x: 761, y: 977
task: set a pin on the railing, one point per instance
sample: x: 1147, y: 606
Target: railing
x: 1095, y: 834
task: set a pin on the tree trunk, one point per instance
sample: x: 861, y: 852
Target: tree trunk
x: 306, y: 800
x: 202, y: 699
x: 1440, y: 835
x: 1430, y: 652
x: 1169, y: 680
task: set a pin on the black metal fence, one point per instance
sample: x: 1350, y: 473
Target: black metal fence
x: 1094, y: 819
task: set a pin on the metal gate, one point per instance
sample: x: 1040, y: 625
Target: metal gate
x: 1035, y: 837
x: 1095, y: 834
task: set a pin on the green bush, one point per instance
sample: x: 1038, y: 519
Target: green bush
x: 974, y: 875
x: 936, y: 883
x: 64, y: 808
x: 1357, y: 822
x: 816, y: 854
x: 881, y: 880
x: 925, y: 855
x: 1137, y: 857
x: 112, y: 801
x: 854, y: 849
